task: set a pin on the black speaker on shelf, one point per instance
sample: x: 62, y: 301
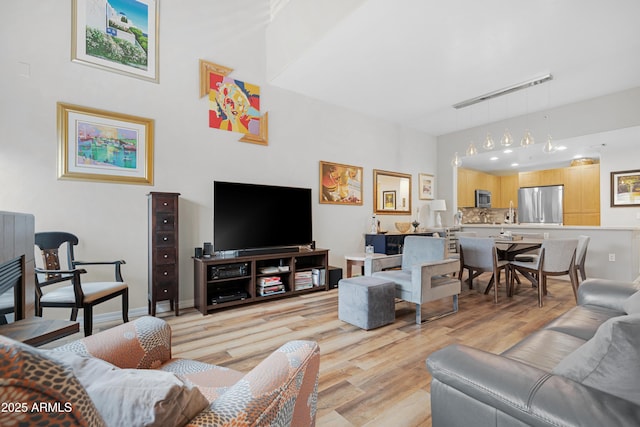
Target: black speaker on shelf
x: 198, y: 253
x: 208, y: 249
x: 335, y: 274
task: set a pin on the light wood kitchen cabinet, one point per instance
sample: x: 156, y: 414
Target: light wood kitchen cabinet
x: 470, y: 180
x: 528, y: 179
x: 582, y: 195
x: 541, y: 177
x: 509, y: 190
x: 581, y: 189
x: 466, y: 196
x: 552, y: 176
x: 493, y: 185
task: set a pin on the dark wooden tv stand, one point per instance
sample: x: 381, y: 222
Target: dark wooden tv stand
x: 221, y: 282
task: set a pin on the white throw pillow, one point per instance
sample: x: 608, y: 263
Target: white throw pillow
x: 609, y: 361
x: 134, y: 397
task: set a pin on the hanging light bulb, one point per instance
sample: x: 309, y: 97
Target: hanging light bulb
x: 472, y: 150
x: 527, y: 139
x: 507, y: 139
x: 456, y: 162
x: 488, y: 143
x: 548, y: 146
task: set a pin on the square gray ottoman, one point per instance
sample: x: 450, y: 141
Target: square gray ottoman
x: 366, y: 302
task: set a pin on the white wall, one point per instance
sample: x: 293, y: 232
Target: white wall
x: 111, y: 219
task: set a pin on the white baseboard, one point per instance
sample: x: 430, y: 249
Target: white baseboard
x: 162, y: 307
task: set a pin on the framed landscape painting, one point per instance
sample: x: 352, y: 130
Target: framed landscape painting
x: 117, y: 35
x: 340, y: 184
x: 97, y: 145
x: 625, y: 188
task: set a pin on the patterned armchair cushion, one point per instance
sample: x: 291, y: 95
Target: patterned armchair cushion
x: 41, y: 390
x: 143, y: 344
x: 280, y: 391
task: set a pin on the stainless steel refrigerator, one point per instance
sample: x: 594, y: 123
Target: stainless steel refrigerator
x: 540, y: 205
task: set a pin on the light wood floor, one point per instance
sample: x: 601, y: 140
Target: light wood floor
x: 367, y: 378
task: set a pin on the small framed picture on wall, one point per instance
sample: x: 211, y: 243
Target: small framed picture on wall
x: 426, y: 183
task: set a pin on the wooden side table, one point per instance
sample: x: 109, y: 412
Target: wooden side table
x: 357, y: 260
x: 37, y: 331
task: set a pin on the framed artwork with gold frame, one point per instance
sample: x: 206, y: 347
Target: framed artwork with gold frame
x: 340, y: 184
x: 98, y: 145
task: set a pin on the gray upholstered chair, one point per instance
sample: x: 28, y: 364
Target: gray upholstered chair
x: 557, y: 258
x: 424, y: 275
x: 456, y: 254
x: 479, y: 255
x: 581, y: 256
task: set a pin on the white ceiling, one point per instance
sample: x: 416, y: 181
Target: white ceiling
x: 409, y: 61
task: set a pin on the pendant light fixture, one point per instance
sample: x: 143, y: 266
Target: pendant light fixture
x: 548, y: 146
x: 456, y: 162
x: 527, y: 139
x: 471, y: 149
x: 507, y: 139
x: 488, y: 143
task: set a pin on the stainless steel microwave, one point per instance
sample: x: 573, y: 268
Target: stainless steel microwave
x: 483, y: 199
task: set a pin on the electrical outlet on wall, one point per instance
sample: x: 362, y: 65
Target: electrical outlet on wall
x: 612, y: 257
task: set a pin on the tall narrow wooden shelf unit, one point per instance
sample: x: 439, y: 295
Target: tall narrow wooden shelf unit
x: 163, y: 250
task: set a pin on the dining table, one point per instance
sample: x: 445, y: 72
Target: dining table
x: 509, y: 247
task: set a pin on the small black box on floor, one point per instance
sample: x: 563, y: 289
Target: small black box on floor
x: 335, y: 274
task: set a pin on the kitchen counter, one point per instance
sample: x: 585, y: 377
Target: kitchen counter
x: 546, y: 226
x: 613, y: 252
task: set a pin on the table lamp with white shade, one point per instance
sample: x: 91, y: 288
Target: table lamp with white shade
x: 438, y: 206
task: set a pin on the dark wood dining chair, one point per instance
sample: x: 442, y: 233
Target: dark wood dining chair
x: 75, y: 295
x: 581, y: 256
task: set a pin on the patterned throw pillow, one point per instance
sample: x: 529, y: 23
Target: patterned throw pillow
x: 47, y: 391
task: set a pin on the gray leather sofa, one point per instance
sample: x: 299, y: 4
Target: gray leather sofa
x: 582, y: 369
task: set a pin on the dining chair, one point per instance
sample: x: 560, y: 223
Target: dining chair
x: 581, y: 255
x: 425, y: 274
x: 76, y: 295
x: 557, y: 258
x: 479, y: 255
x: 456, y: 254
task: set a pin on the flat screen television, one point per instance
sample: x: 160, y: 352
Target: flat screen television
x: 258, y: 218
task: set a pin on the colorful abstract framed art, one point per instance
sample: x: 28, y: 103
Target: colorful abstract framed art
x: 340, y: 184
x: 625, y: 188
x: 119, y: 36
x: 234, y: 105
x: 98, y: 145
